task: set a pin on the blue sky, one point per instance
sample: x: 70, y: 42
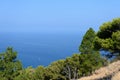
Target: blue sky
x: 61, y: 16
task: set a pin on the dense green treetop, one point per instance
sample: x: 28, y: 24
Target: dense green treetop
x: 86, y: 45
x: 106, y: 30
x: 9, y: 65
x: 54, y: 70
x: 108, y: 37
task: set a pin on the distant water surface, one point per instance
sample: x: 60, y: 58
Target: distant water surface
x: 40, y: 49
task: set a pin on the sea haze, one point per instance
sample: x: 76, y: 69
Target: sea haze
x: 36, y: 49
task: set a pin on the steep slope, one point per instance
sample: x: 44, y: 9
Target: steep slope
x: 110, y: 72
x: 116, y: 76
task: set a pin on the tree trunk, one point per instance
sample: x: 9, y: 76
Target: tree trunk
x: 69, y: 73
x: 75, y: 73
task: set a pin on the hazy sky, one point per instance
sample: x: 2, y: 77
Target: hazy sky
x: 56, y: 15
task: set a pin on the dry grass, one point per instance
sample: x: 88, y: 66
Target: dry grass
x: 116, y: 76
x: 110, y: 70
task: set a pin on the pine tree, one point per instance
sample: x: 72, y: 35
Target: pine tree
x: 87, y: 42
x: 108, y: 37
x: 9, y: 65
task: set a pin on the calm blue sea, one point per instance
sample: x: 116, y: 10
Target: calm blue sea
x: 36, y: 49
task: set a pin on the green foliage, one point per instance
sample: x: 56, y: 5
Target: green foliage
x: 116, y: 40
x: 54, y: 71
x: 89, y: 63
x: 40, y: 73
x: 71, y: 67
x: 89, y: 59
x: 107, y: 29
x: 87, y: 42
x: 108, y: 37
x: 26, y: 74
x: 9, y: 65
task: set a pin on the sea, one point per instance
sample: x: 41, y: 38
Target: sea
x: 36, y: 49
